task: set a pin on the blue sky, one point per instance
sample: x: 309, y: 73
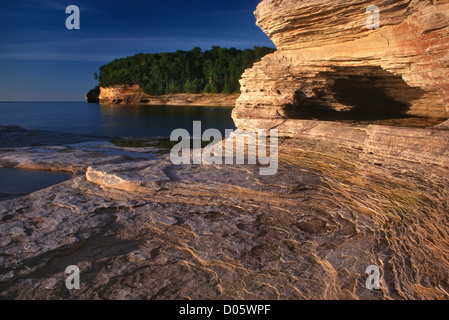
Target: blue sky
x: 40, y: 60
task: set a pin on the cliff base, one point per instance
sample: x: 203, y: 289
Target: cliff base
x: 134, y: 95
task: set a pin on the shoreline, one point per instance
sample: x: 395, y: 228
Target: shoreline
x: 134, y: 95
x: 186, y: 99
x: 120, y: 216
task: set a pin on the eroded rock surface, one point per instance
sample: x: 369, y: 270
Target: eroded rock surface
x: 331, y: 66
x: 224, y: 231
x: 134, y: 95
x: 345, y: 196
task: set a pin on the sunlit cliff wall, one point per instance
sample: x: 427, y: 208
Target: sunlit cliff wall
x: 331, y: 66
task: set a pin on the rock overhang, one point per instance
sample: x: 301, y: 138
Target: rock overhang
x: 330, y: 66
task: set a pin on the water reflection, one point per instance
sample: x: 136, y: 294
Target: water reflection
x: 17, y: 182
x: 112, y: 121
x: 151, y: 121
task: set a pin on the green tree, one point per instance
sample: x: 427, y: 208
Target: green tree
x: 213, y: 71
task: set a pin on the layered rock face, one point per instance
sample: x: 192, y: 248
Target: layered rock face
x: 121, y: 94
x: 331, y: 66
x: 134, y: 95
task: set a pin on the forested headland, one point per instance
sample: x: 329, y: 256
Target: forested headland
x: 195, y: 71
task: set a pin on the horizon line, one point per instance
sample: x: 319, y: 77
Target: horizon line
x: 38, y: 101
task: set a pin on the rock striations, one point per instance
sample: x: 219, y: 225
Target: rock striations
x: 145, y: 228
x: 330, y: 66
x: 121, y: 94
x: 134, y: 95
x: 346, y: 196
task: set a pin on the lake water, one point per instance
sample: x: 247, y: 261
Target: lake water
x: 93, y: 120
x: 17, y: 182
x: 112, y: 121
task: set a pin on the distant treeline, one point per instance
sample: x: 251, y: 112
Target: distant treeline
x: 214, y: 71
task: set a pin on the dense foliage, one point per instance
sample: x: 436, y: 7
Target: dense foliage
x: 214, y: 71
x: 95, y: 91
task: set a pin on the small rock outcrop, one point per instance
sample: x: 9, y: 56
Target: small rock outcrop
x: 331, y: 66
x: 93, y: 96
x: 134, y: 95
x: 121, y: 94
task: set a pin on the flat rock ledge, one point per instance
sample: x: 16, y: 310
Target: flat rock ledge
x: 142, y: 228
x: 134, y: 95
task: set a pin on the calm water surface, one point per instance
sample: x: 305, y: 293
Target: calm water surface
x: 112, y: 121
x: 17, y: 182
x: 97, y: 121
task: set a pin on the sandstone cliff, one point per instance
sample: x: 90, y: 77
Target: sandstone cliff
x: 133, y: 95
x: 309, y: 232
x: 330, y: 66
x: 121, y: 94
